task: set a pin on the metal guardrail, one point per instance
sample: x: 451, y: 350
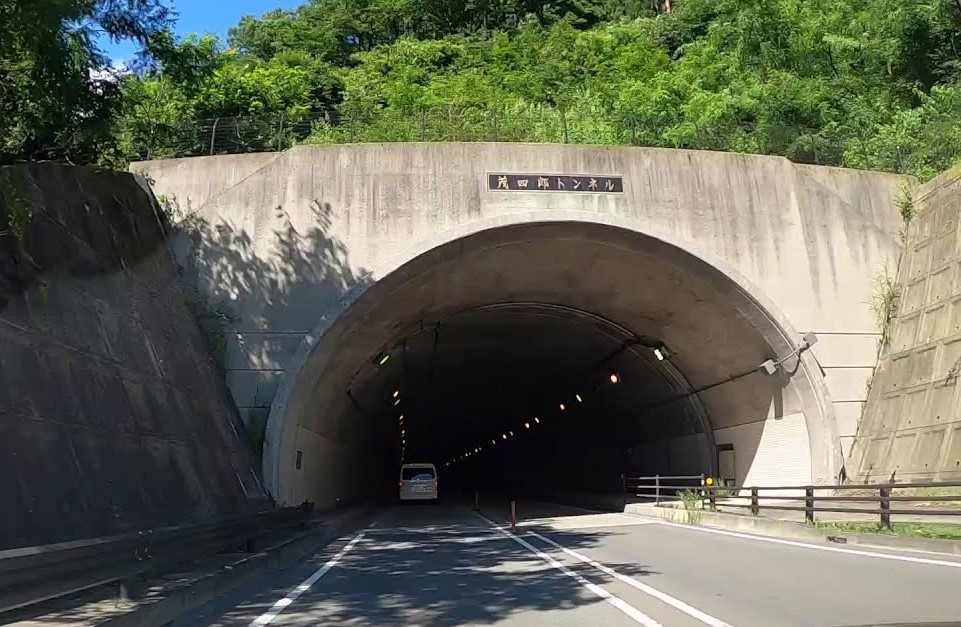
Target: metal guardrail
x: 788, y: 498
x: 32, y: 575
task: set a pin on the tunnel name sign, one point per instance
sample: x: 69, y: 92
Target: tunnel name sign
x: 573, y: 183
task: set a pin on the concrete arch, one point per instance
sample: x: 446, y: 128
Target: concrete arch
x: 774, y: 331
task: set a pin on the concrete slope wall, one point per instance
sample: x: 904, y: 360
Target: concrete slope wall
x: 912, y: 424
x: 112, y: 414
x: 280, y: 248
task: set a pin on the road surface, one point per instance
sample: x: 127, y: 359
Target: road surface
x: 444, y: 565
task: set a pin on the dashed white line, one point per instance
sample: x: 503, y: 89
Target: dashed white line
x: 628, y: 609
x: 693, y: 612
x: 279, y: 606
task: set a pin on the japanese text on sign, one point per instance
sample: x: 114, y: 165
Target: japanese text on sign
x: 576, y: 183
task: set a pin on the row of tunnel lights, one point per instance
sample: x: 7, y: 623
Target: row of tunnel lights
x: 660, y: 353
x: 614, y: 378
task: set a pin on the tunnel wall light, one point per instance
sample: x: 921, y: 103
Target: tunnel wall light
x: 562, y: 407
x: 579, y: 399
x: 615, y: 378
x: 396, y: 393
x: 527, y: 425
x: 382, y: 359
x: 537, y: 420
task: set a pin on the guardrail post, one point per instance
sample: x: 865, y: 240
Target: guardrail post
x: 624, y: 489
x: 712, y: 495
x: 884, y: 495
x: 513, y: 514
x: 755, y: 505
x: 657, y: 489
x: 809, y: 504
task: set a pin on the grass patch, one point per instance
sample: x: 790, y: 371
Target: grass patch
x: 692, y: 506
x: 913, y: 530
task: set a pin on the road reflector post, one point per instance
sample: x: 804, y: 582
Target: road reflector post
x: 513, y: 514
x: 755, y: 505
x: 711, y: 493
x: 809, y: 504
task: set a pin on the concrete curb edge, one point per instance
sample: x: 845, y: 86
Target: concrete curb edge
x: 798, y: 531
x: 211, y: 585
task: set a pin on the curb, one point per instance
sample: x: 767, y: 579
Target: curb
x: 209, y: 586
x: 797, y: 531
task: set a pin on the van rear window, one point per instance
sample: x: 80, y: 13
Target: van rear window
x: 417, y: 472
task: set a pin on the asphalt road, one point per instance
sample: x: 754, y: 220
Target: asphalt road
x: 439, y: 566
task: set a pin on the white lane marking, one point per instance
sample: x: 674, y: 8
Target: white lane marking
x: 636, y: 614
x: 805, y: 545
x: 279, y: 606
x: 693, y: 612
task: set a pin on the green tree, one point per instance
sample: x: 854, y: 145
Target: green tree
x: 58, y: 96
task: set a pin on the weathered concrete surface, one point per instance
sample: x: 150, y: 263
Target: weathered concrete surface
x: 112, y: 414
x: 912, y: 423
x: 770, y: 248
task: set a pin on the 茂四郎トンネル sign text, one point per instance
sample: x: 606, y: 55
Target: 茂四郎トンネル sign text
x: 576, y: 183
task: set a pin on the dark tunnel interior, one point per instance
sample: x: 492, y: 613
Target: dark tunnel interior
x: 525, y: 398
x: 492, y: 357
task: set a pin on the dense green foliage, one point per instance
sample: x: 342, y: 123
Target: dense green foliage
x: 860, y: 83
x: 56, y: 100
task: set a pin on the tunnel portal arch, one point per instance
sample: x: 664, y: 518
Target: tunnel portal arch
x: 716, y: 325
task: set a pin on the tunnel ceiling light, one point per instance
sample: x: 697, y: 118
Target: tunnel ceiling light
x: 661, y: 353
x: 615, y: 378
x: 493, y: 441
x: 512, y: 433
x: 527, y: 425
x: 579, y: 399
x: 383, y: 359
x: 503, y: 436
x: 396, y: 393
x: 537, y: 420
x: 397, y: 402
x: 562, y: 406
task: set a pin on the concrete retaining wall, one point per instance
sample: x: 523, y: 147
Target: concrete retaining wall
x: 112, y: 414
x: 912, y: 424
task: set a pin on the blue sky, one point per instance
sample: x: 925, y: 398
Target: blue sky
x: 206, y: 16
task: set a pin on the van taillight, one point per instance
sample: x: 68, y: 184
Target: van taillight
x: 400, y: 484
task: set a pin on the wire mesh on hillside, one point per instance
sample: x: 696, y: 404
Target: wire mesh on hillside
x: 276, y: 132
x: 219, y: 136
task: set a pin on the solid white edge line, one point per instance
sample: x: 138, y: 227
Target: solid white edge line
x: 278, y: 607
x: 631, y: 611
x: 805, y: 545
x: 693, y: 612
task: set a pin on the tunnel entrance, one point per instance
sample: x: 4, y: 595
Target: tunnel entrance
x: 547, y: 357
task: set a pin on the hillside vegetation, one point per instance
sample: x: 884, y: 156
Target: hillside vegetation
x: 857, y: 83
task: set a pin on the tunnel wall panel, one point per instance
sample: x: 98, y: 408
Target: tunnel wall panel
x: 112, y: 413
x: 771, y: 452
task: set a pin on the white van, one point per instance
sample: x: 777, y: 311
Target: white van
x: 418, y: 482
